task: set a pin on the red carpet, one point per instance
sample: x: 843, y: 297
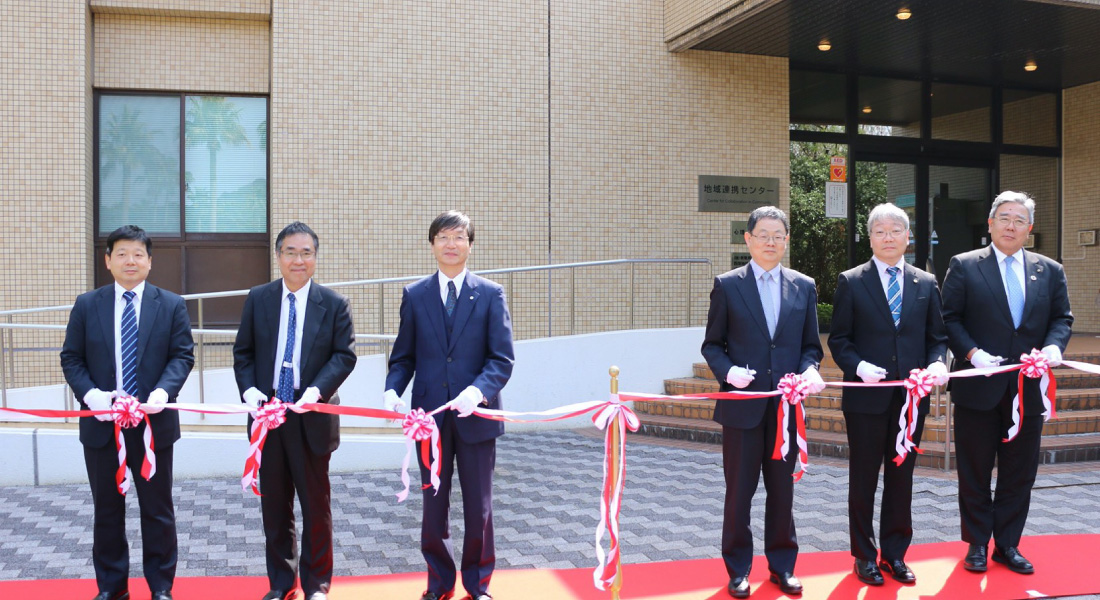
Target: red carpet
x: 825, y: 575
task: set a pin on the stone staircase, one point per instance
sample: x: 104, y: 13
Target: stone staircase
x: 1073, y: 436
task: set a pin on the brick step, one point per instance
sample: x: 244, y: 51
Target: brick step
x: 1067, y: 423
x: 702, y: 371
x: 1054, y: 449
x: 1067, y: 378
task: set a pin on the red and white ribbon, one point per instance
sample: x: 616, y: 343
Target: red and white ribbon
x: 264, y: 419
x: 419, y: 426
x: 794, y: 388
x: 612, y: 414
x: 1033, y: 366
x: 918, y: 385
x: 127, y: 414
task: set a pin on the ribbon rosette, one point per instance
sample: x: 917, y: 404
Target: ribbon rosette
x: 419, y: 426
x: 794, y: 388
x: 127, y: 414
x: 264, y: 419
x: 1033, y: 366
x: 609, y: 416
x: 918, y: 385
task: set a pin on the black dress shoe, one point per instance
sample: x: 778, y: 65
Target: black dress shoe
x: 280, y: 595
x: 867, y: 572
x: 164, y: 595
x: 975, y: 559
x: 1011, y: 558
x: 899, y: 571
x: 435, y: 596
x: 739, y: 587
x: 123, y: 595
x: 788, y: 583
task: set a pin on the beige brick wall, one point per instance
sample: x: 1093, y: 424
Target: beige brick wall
x: 683, y: 16
x: 1080, y: 180
x: 256, y: 10
x: 181, y: 54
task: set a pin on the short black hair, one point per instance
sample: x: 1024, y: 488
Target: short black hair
x: 295, y: 228
x: 769, y: 212
x: 130, y: 232
x: 452, y: 219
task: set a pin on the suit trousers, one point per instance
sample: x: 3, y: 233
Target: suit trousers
x: 872, y: 442
x: 745, y: 454
x: 979, y: 435
x: 290, y: 466
x: 476, y: 463
x: 110, y: 550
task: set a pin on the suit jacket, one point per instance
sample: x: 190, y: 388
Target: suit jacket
x: 165, y: 356
x: 737, y: 334
x: 976, y: 313
x: 479, y: 352
x: 327, y: 357
x: 863, y: 329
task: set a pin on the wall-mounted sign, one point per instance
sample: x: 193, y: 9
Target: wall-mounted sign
x: 718, y: 193
x: 838, y: 169
x: 836, y: 200
x: 737, y: 231
x: 739, y: 258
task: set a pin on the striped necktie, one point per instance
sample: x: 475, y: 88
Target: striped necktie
x: 129, y: 331
x: 285, y: 392
x: 894, y: 292
x: 1015, y: 293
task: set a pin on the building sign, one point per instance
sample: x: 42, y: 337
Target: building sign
x: 737, y: 231
x: 718, y: 193
x: 838, y: 169
x: 836, y: 200
x: 738, y: 259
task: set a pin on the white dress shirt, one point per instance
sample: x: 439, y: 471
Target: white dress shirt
x: 885, y: 277
x: 443, y: 279
x: 120, y: 305
x: 772, y: 289
x: 301, y: 299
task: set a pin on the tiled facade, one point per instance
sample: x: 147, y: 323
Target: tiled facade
x: 1081, y: 211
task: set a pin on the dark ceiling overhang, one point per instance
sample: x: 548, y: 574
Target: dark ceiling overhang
x: 969, y: 41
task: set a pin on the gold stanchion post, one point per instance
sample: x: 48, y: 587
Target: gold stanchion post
x: 614, y: 474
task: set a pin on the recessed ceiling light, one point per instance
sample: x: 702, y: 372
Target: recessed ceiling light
x: 1030, y: 66
x: 866, y: 110
x: 824, y: 46
x: 904, y: 13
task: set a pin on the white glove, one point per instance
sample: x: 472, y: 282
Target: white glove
x: 814, y: 379
x: 253, y: 397
x: 467, y: 401
x: 156, y: 401
x: 392, y: 402
x: 938, y: 370
x: 984, y: 360
x: 97, y: 399
x: 311, y: 395
x: 740, y: 377
x: 870, y: 373
x: 1054, y: 355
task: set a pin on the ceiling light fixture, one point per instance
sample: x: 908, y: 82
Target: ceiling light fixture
x: 1030, y: 66
x: 824, y: 46
x: 866, y: 110
x: 904, y: 14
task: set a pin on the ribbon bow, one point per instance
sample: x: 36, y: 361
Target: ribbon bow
x: 1033, y: 366
x: 918, y: 385
x: 607, y: 416
x: 127, y: 414
x: 267, y: 417
x: 795, y: 388
x: 419, y: 426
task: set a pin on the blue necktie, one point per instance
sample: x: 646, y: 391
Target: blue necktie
x: 766, y: 302
x: 452, y: 298
x: 129, y: 345
x: 1015, y: 293
x: 894, y: 292
x: 285, y: 392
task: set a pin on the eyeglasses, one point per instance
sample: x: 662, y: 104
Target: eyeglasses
x: 1004, y: 220
x: 880, y: 234
x: 457, y: 240
x: 306, y: 255
x: 775, y: 239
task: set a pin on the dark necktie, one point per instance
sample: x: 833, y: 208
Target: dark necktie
x: 129, y: 344
x: 893, y: 290
x: 285, y: 392
x: 452, y: 298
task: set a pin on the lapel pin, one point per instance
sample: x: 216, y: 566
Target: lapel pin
x: 1034, y: 278
x: 914, y: 280
x: 471, y: 297
x: 1038, y: 269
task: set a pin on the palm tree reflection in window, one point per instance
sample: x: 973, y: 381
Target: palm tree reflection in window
x: 211, y: 122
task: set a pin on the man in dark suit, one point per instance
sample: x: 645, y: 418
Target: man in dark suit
x: 104, y: 357
x: 886, y: 322
x: 456, y: 336
x: 761, y: 326
x: 1000, y: 302
x: 295, y: 344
